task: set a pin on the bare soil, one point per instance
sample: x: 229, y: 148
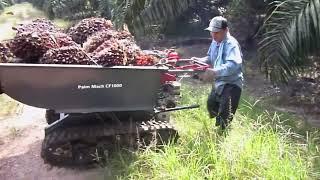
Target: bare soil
x: 20, y: 146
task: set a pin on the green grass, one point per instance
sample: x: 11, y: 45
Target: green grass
x: 258, y: 145
x: 8, y: 106
x: 22, y: 13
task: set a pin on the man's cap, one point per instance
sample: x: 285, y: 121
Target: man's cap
x: 217, y: 24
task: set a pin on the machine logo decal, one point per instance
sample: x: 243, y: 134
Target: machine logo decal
x: 99, y: 86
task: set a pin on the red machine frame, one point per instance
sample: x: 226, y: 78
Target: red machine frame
x: 173, y: 61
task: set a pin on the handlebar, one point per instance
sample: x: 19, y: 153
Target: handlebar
x: 195, y: 61
x: 158, y: 111
x: 178, y: 71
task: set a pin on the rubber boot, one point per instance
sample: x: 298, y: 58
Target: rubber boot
x: 218, y: 121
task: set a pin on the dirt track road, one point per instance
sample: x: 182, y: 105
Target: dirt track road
x: 20, y: 144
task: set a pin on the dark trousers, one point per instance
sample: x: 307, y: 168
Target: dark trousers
x: 224, y: 106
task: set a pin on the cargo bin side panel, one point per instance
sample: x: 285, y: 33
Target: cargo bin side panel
x: 81, y: 89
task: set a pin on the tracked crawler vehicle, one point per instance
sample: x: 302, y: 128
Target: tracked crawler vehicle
x: 92, y: 110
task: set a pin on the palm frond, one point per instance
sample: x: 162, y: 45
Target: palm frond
x: 291, y: 33
x: 5, y: 3
x: 141, y: 14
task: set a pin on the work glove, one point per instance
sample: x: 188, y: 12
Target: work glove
x: 208, y: 75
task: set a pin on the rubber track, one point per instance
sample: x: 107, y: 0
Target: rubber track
x: 127, y: 132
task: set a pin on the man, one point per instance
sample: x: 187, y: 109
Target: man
x: 225, y: 57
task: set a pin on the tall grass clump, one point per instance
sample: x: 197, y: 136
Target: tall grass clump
x: 258, y: 145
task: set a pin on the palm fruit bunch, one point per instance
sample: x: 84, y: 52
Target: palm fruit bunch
x: 125, y: 35
x: 30, y: 46
x: 132, y: 50
x: 5, y: 53
x: 40, y: 42
x: 37, y: 25
x: 108, y: 38
x: 34, y: 39
x: 97, y: 39
x: 87, y: 27
x: 134, y: 54
x: 63, y: 39
x: 110, y: 53
x: 144, y: 60
x: 66, y: 55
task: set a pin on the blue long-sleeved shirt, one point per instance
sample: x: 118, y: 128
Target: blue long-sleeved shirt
x: 229, y: 70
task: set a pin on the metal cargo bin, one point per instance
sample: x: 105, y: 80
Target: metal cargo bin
x: 82, y: 89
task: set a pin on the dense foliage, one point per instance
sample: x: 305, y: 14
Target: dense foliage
x: 5, y: 3
x: 74, y: 9
x: 291, y: 33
